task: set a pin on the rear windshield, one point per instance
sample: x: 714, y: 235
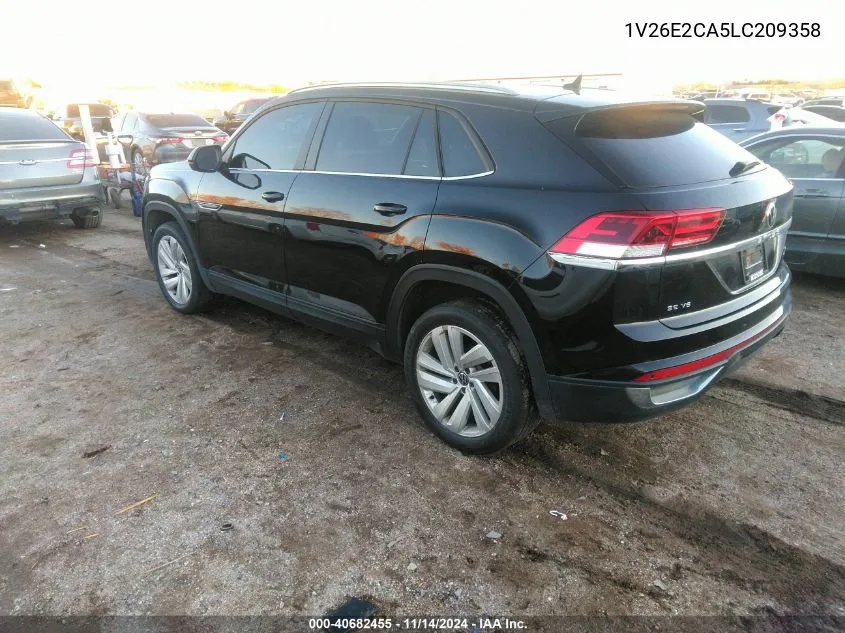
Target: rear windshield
x: 648, y: 147
x: 95, y: 109
x: 176, y: 120
x: 18, y: 127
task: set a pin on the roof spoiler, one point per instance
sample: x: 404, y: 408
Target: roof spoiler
x: 548, y: 110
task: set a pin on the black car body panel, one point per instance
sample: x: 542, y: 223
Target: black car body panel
x: 505, y: 177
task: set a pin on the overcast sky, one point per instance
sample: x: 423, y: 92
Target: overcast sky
x: 290, y: 43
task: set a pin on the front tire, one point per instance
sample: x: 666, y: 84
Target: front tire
x: 467, y: 378
x: 177, y: 271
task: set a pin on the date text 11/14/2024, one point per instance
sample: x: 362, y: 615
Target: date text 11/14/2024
x: 474, y: 625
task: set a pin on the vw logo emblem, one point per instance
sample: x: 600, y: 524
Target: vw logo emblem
x: 770, y: 215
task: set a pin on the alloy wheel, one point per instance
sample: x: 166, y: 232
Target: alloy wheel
x: 459, y: 380
x: 174, y: 270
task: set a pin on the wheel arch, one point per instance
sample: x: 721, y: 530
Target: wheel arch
x: 484, y: 287
x: 159, y: 211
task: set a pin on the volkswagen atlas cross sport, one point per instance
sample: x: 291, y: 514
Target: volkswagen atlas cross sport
x: 576, y: 253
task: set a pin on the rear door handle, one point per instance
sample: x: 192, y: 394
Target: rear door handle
x: 273, y: 196
x: 389, y: 208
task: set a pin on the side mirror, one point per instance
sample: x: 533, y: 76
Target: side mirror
x: 125, y: 139
x: 205, y: 159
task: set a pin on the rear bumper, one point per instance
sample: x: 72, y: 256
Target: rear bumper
x: 49, y: 202
x: 589, y: 400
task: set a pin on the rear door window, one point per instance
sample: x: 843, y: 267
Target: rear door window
x: 368, y: 138
x: 422, y: 159
x: 275, y: 140
x: 803, y: 158
x: 716, y: 114
x: 459, y: 154
x: 654, y: 147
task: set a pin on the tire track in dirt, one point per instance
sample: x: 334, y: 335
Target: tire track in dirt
x: 728, y: 552
x: 794, y: 400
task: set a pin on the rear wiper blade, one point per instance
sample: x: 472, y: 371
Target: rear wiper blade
x: 741, y: 167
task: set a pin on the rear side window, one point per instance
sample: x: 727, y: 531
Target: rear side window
x: 804, y: 157
x: 774, y: 109
x: 422, y: 159
x: 368, y: 138
x: 28, y: 128
x: 275, y: 139
x: 460, y: 158
x: 726, y: 114
x: 653, y: 147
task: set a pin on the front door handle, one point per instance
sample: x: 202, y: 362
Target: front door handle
x: 273, y: 196
x: 389, y: 208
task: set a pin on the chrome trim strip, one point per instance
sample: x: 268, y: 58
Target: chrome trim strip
x: 693, y: 318
x: 584, y: 261
x: 631, y: 329
x: 349, y: 173
x: 694, y: 256
x: 770, y: 322
x: 239, y: 170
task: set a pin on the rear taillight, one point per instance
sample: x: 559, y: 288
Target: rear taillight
x: 220, y: 138
x: 627, y: 234
x: 169, y: 140
x: 82, y: 158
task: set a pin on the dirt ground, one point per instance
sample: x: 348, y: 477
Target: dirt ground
x: 734, y: 505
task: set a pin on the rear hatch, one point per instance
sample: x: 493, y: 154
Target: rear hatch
x: 34, y: 152
x: 668, y: 161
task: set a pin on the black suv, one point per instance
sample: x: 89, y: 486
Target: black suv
x: 593, y: 257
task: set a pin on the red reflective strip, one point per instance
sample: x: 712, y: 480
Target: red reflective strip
x: 707, y: 361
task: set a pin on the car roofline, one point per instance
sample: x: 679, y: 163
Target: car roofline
x: 445, y: 86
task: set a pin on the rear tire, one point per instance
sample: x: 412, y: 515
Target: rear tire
x: 177, y: 271
x: 87, y: 218
x: 468, y: 379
